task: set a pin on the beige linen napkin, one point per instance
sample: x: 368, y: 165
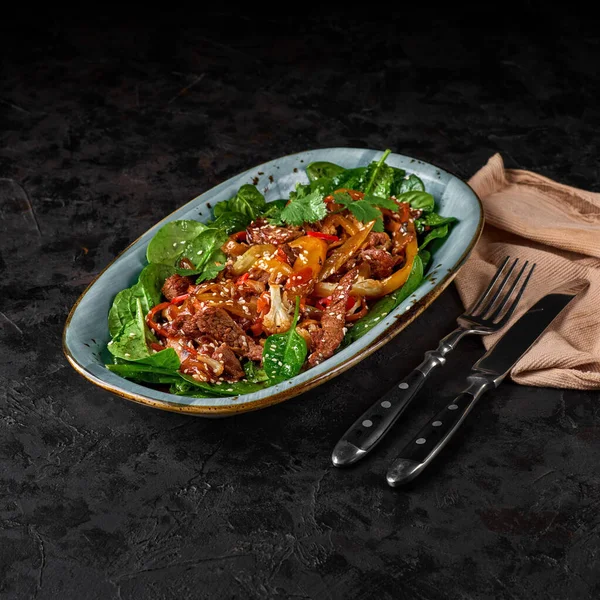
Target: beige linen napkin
x: 557, y: 227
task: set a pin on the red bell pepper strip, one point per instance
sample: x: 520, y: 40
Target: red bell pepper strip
x: 323, y: 236
x: 150, y: 318
x: 179, y: 299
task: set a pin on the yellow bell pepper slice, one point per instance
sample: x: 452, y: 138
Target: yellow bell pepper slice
x: 313, y: 254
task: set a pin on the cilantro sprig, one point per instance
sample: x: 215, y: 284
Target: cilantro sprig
x: 305, y: 209
x: 367, y: 209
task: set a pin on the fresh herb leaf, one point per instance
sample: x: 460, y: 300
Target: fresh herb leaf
x: 381, y: 202
x: 383, y: 307
x: 376, y: 173
x: 254, y: 374
x: 305, y: 209
x: 273, y: 211
x: 363, y: 210
x: 170, y: 240
x: 284, y: 353
x: 422, y: 200
x: 316, y: 170
x: 434, y: 234
x: 248, y: 201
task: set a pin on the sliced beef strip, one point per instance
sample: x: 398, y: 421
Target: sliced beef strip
x: 255, y: 353
x: 218, y: 324
x: 381, y: 262
x: 291, y: 253
x: 333, y: 321
x: 176, y: 285
x: 231, y: 365
x: 375, y: 239
x: 261, y: 232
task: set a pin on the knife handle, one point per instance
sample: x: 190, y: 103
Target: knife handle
x: 368, y: 430
x: 427, y: 444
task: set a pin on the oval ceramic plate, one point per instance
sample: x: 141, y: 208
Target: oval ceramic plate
x: 86, y: 330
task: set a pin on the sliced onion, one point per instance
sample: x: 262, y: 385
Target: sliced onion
x: 247, y: 260
x: 215, y: 366
x: 371, y: 288
x: 342, y: 254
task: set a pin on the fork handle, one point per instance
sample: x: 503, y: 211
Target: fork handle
x: 369, y: 429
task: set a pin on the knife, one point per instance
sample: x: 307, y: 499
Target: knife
x: 487, y: 373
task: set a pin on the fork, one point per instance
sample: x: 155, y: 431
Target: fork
x: 489, y: 314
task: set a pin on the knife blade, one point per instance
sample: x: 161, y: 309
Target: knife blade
x: 486, y: 374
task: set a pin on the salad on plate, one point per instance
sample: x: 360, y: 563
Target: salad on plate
x: 268, y: 289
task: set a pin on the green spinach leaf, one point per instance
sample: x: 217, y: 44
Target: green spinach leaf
x: 214, y: 265
x: 121, y: 313
x: 422, y: 200
x: 230, y: 222
x: 403, y: 184
x: 316, y: 170
x: 170, y: 240
x: 130, y: 342
x: 221, y: 208
x: 425, y: 256
x: 248, y: 201
x: 188, y: 386
x: 352, y: 179
x: 383, y: 307
x: 141, y: 373
x: 434, y: 234
x: 434, y: 220
x: 200, y: 251
x: 377, y: 176
x: 147, y: 290
x: 284, y: 353
x: 164, y: 359
x: 254, y: 374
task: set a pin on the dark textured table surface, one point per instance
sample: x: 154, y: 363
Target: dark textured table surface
x: 104, y: 131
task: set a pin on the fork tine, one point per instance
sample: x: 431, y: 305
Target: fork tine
x: 485, y: 294
x: 502, y: 301
x: 511, y: 308
x: 490, y: 305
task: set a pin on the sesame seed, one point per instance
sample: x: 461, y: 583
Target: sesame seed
x: 127, y: 354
